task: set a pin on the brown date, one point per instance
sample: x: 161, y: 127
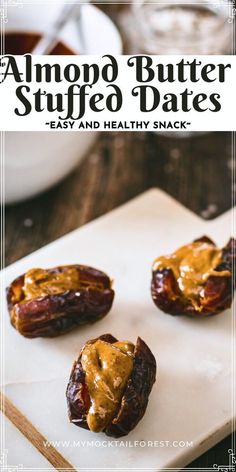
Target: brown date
x: 47, y: 303
x: 119, y: 417
x: 197, y: 280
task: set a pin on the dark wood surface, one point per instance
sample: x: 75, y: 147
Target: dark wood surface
x: 196, y: 171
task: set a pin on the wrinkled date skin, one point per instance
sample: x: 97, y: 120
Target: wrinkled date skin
x: 55, y: 314
x: 135, y: 397
x: 218, y: 290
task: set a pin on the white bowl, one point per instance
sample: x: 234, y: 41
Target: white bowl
x: 37, y: 160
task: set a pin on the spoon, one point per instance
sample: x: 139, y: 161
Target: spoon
x: 47, y: 43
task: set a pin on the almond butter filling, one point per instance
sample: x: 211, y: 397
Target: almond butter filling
x: 107, y: 370
x: 40, y: 282
x: 192, y: 265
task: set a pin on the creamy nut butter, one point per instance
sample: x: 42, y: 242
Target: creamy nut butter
x: 107, y: 369
x: 192, y: 265
x: 40, y: 282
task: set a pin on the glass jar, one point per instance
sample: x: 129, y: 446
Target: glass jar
x: 179, y: 28
x: 170, y: 27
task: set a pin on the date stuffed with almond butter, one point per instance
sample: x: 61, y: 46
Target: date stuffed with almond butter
x: 47, y: 303
x: 196, y: 280
x: 110, y: 384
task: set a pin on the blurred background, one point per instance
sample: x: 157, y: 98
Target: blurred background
x: 197, y: 171
x: 107, y: 169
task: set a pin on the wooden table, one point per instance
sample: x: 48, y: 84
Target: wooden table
x: 196, y: 171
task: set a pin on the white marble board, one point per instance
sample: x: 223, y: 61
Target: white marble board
x: 191, y: 400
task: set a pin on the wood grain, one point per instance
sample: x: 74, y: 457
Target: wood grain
x: 196, y: 171
x: 34, y: 436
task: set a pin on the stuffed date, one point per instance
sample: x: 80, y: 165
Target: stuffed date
x: 47, y: 303
x: 196, y: 280
x: 109, y: 385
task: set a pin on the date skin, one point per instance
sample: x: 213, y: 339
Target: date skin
x: 218, y: 291
x: 52, y: 315
x: 135, y: 398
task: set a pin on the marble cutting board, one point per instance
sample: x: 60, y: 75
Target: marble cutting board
x: 191, y: 400
x: 20, y: 452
